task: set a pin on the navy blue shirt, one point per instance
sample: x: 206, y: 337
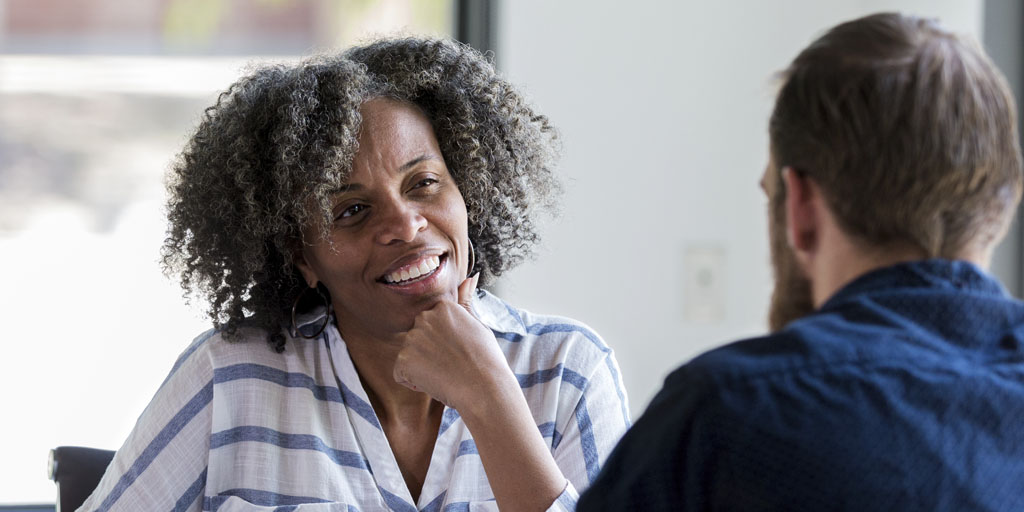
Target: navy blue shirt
x: 905, y: 391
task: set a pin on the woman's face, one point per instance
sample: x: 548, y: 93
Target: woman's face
x: 398, y: 242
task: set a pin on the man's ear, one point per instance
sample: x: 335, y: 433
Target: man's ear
x: 301, y: 263
x: 803, y: 222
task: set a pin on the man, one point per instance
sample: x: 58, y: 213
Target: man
x: 894, y: 375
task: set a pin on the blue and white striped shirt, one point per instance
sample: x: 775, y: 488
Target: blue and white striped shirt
x: 238, y: 427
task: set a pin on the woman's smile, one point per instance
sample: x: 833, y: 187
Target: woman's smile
x: 423, y: 275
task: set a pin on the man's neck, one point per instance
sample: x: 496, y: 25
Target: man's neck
x: 842, y: 260
x: 844, y: 268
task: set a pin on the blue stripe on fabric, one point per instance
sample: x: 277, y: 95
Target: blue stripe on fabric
x: 515, y: 314
x: 435, y: 504
x: 507, y: 336
x: 467, y: 447
x: 162, y: 439
x: 539, y: 329
x: 198, y: 342
x: 352, y: 508
x: 527, y: 380
x: 566, y: 500
x: 186, y: 500
x: 288, y: 441
x: 461, y: 506
x: 298, y: 380
x: 449, y: 417
x: 286, y: 508
x: 587, y: 442
x: 395, y: 503
x: 619, y: 390
x: 548, y: 430
x: 259, y: 497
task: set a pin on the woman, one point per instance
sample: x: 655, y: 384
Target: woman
x: 344, y: 210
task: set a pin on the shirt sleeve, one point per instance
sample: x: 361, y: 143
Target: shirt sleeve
x: 163, y: 463
x: 566, y: 502
x: 600, y: 418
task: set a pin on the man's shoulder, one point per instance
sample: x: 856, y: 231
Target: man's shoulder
x: 834, y: 396
x: 817, y: 344
x: 793, y: 349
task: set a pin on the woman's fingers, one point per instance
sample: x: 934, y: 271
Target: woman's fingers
x: 399, y: 374
x: 467, y: 290
x: 449, y: 353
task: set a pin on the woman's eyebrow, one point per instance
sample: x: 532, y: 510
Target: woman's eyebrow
x: 412, y: 163
x: 348, y: 187
x: 406, y: 167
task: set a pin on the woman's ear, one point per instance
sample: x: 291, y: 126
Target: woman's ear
x: 302, y: 263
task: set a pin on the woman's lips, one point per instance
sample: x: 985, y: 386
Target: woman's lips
x: 418, y: 271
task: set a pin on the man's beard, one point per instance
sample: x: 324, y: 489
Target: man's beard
x: 791, y: 298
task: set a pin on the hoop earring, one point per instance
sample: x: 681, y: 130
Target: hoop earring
x: 472, y: 258
x: 295, y: 332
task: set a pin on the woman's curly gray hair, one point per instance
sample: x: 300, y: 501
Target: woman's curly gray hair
x: 283, y: 138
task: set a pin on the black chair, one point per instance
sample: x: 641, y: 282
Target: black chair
x: 77, y: 471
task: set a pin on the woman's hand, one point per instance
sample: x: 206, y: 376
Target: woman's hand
x: 450, y: 355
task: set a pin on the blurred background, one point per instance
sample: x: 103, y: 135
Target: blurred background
x: 660, y: 245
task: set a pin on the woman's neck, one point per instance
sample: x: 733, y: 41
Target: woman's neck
x: 395, y: 404
x: 410, y: 419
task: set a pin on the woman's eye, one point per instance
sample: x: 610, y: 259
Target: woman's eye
x: 425, y: 182
x: 351, y: 211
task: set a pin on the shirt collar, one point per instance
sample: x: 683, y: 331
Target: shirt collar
x: 936, y: 274
x: 497, y: 315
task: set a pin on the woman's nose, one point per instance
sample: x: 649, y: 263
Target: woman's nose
x: 400, y: 222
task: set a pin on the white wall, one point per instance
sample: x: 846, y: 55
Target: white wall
x: 663, y: 109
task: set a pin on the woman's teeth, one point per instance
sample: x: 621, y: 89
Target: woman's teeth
x: 424, y: 267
